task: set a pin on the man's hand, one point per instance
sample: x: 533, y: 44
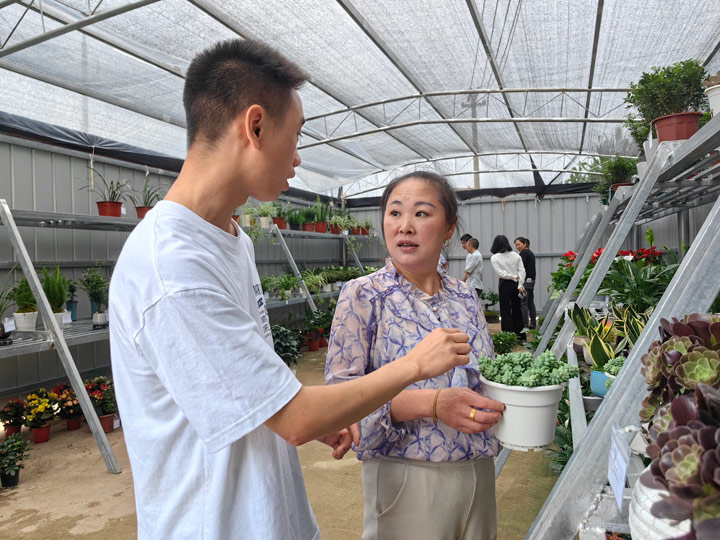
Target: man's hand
x: 441, y: 350
x: 341, y: 441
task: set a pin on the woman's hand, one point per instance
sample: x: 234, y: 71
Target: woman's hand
x: 455, y: 406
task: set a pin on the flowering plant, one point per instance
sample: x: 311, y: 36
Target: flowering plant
x: 12, y: 413
x: 102, y: 394
x: 41, y: 408
x: 67, y: 402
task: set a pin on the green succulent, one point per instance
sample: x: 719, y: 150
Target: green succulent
x: 521, y: 369
x: 700, y: 365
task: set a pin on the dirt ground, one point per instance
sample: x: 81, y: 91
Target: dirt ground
x: 65, y: 490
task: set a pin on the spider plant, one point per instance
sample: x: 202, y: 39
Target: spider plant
x: 113, y: 191
x: 149, y: 195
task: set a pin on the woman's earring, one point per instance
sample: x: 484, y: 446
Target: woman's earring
x: 446, y: 243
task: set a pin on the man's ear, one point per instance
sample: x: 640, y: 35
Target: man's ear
x: 254, y: 121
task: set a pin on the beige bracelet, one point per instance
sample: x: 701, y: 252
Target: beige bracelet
x: 434, y: 409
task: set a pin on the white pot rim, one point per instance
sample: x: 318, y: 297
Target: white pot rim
x: 523, y: 388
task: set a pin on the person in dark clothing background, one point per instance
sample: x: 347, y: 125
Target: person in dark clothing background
x: 527, y: 304
x: 509, y: 268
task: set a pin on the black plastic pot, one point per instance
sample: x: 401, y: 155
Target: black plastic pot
x: 9, y: 480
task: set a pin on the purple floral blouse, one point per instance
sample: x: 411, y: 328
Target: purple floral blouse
x: 381, y: 317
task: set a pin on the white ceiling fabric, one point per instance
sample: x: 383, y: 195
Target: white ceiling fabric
x: 121, y: 78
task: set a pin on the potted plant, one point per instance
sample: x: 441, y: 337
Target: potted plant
x: 96, y: 288
x: 111, y: 194
x: 366, y: 227
x: 294, y: 217
x: 71, y: 303
x: 504, y: 342
x: 69, y: 406
x: 531, y: 389
x: 322, y: 216
x: 25, y: 308
x: 712, y: 91
x: 13, y: 452
x: 668, y: 98
x: 287, y: 345
x: 287, y: 282
x: 314, y: 326
x: 11, y: 415
x: 339, y: 222
x: 7, y: 326
x: 616, y: 172
x: 102, y: 395
x: 40, y: 409
x: 55, y: 285
x: 246, y: 219
x: 313, y: 281
x: 266, y: 211
x: 147, y: 198
x: 309, y: 216
x: 279, y: 218
x: 490, y: 299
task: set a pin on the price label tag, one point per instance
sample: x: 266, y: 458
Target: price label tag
x: 9, y: 325
x: 116, y: 423
x: 122, y: 210
x: 66, y: 317
x: 346, y: 232
x: 618, y: 463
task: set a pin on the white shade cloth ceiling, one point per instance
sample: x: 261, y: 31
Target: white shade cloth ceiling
x: 121, y: 78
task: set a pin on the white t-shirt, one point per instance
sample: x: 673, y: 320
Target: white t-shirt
x: 474, y: 268
x: 196, y: 378
x: 508, y: 265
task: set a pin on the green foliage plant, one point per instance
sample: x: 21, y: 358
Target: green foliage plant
x: 148, y: 196
x: 55, y: 285
x: 504, y: 342
x: 309, y: 214
x: 23, y: 297
x: 313, y: 281
x: 6, y: 295
x: 13, y: 452
x: 663, y: 91
x: 95, y: 286
x: 268, y: 209
x: 637, y: 284
x: 12, y: 413
x: 287, y: 344
x: 521, y: 369
x: 322, y: 211
x: 71, y: 289
x: 617, y: 170
x: 113, y: 191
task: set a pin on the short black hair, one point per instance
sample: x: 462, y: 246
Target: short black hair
x: 524, y: 241
x: 474, y: 243
x: 230, y: 76
x: 465, y: 237
x: 501, y: 244
x: 446, y: 194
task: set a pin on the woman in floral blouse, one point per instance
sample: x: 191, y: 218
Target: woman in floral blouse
x: 427, y: 455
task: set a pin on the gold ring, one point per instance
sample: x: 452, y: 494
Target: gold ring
x: 473, y: 410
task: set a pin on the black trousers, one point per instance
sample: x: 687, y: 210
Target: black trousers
x: 510, y: 309
x: 527, y: 305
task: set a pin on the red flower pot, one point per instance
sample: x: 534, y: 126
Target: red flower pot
x: 616, y: 186
x: 677, y: 127
x: 321, y: 226
x: 11, y: 430
x: 335, y: 229
x: 73, y: 423
x: 323, y: 342
x: 308, y: 227
x: 41, y: 434
x: 280, y: 222
x: 357, y: 230
x: 142, y: 210
x: 364, y: 231
x: 109, y: 209
x: 107, y: 422
x: 313, y: 344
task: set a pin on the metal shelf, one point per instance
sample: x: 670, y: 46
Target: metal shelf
x: 53, y: 220
x: 80, y: 332
x: 292, y: 233
x: 273, y: 304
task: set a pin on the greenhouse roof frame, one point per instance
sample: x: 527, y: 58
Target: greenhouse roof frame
x: 454, y: 78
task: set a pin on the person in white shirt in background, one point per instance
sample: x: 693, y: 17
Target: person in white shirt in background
x: 210, y: 413
x: 509, y: 267
x: 474, y: 266
x: 442, y: 263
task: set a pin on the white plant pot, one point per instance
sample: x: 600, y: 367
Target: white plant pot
x: 528, y: 422
x: 327, y: 287
x: 100, y: 318
x: 645, y: 526
x: 265, y: 222
x: 713, y: 95
x: 285, y: 294
x: 336, y: 286
x: 25, y: 322
x: 58, y: 319
x: 246, y: 221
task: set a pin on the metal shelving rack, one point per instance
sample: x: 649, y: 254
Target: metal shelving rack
x: 679, y: 176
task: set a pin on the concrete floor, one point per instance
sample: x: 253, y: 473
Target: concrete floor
x: 66, y: 492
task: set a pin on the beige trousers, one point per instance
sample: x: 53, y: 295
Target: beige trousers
x: 418, y: 500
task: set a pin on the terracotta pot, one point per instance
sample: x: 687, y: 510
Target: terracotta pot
x: 616, y: 186
x: 357, y: 230
x: 107, y: 421
x: 321, y: 226
x: 308, y: 227
x: 313, y: 344
x: 12, y: 430
x: 9, y: 480
x: 73, y: 423
x: 677, y: 127
x: 364, y: 231
x: 335, y: 229
x: 109, y: 209
x: 142, y: 210
x: 41, y: 434
x: 280, y: 222
x: 323, y: 342
x: 236, y: 219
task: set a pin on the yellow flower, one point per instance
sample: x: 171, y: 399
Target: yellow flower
x: 53, y: 395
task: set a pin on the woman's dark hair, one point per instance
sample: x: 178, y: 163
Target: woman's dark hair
x: 524, y: 241
x: 445, y: 192
x: 501, y: 244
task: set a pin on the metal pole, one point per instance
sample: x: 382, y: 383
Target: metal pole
x: 56, y: 334
x: 306, y: 293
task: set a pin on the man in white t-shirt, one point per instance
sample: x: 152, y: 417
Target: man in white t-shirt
x: 210, y: 412
x: 474, y: 266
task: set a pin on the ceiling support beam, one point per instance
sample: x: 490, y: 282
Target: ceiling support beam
x: 375, y: 37
x: 712, y: 54
x: 596, y: 39
x: 45, y: 36
x: 211, y: 10
x: 493, y: 63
